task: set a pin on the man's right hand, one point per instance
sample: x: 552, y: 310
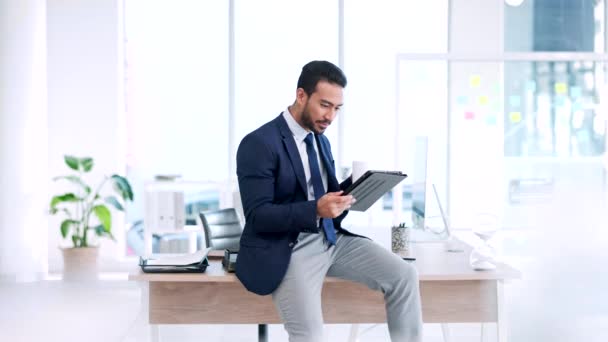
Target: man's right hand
x: 333, y: 204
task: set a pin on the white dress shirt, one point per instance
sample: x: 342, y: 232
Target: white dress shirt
x: 299, y: 134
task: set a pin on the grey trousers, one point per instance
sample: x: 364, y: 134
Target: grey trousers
x: 298, y: 297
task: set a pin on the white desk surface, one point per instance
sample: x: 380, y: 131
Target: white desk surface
x: 432, y: 261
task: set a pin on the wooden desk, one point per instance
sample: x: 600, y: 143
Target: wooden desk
x: 451, y: 293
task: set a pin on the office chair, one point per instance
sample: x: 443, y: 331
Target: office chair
x: 222, y: 228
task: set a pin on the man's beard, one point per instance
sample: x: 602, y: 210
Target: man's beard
x: 307, y: 120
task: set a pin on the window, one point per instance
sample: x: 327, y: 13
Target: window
x: 176, y: 92
x: 370, y: 63
x: 555, y: 25
x: 272, y: 46
x: 555, y: 108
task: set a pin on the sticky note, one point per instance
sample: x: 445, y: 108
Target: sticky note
x: 515, y: 117
x: 462, y: 100
x: 496, y: 88
x: 491, y: 120
x: 561, y: 88
x: 483, y: 100
x: 577, y: 106
x: 515, y: 101
x: 576, y: 92
x: 475, y: 81
x: 531, y: 86
x: 560, y: 101
x: 496, y: 106
x: 469, y: 116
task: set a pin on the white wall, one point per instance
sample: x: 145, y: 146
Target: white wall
x: 23, y: 158
x: 85, y: 99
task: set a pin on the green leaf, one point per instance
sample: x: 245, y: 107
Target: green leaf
x: 75, y: 240
x: 67, y: 212
x: 122, y: 185
x: 72, y: 162
x: 100, y: 231
x: 54, y: 211
x: 86, y: 163
x: 76, y: 180
x: 69, y: 197
x: 105, y: 217
x: 114, y: 202
x: 65, y: 227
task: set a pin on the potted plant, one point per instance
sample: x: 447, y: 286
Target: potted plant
x: 85, y: 212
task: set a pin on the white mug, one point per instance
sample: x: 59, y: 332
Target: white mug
x: 359, y: 168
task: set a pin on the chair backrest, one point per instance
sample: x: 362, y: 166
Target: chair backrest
x: 238, y: 206
x: 222, y: 228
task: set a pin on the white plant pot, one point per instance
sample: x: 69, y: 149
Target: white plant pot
x: 80, y: 264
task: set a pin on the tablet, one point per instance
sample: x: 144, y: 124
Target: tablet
x: 371, y: 186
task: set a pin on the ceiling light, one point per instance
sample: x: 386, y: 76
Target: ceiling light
x: 514, y: 3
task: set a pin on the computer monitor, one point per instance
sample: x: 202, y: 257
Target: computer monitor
x: 423, y: 231
x: 419, y: 182
x: 444, y: 217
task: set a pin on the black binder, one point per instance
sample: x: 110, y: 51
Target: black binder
x: 189, y: 263
x: 371, y: 186
x: 199, y: 267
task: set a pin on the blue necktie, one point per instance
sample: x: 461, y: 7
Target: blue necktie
x: 317, y: 185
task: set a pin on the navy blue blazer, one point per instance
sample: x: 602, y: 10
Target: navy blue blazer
x: 275, y: 201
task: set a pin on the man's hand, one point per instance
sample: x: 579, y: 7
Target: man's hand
x: 332, y: 204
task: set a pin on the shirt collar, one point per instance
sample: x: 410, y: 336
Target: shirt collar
x: 298, y: 131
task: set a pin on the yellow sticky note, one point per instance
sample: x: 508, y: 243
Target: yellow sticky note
x: 475, y: 81
x: 515, y: 117
x: 561, y: 88
x: 483, y: 100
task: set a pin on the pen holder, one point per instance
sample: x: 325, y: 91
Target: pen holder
x: 400, y: 239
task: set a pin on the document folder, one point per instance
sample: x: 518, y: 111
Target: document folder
x: 188, y: 263
x: 371, y: 186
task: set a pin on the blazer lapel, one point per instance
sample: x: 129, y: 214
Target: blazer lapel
x: 292, y: 152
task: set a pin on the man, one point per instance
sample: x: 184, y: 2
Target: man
x: 294, y: 208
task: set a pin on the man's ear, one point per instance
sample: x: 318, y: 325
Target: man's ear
x: 301, y: 96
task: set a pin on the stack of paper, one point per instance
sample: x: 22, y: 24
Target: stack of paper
x: 185, y: 263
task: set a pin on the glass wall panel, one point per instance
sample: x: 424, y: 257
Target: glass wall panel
x: 476, y: 141
x: 517, y: 130
x: 423, y: 114
x: 555, y: 109
x: 555, y: 25
x: 375, y: 33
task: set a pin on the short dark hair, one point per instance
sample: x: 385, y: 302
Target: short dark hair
x: 316, y: 71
